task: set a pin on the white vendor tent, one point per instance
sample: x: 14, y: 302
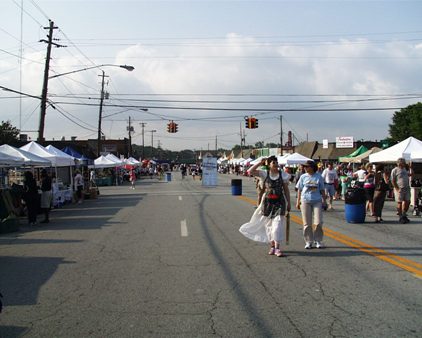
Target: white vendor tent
x: 416, y: 156
x: 58, y: 152
x: 114, y: 158
x: 132, y: 161
x: 28, y: 158
x: 295, y: 158
x: 259, y: 159
x: 103, y: 162
x: 39, y: 150
x: 403, y: 149
x: 10, y: 161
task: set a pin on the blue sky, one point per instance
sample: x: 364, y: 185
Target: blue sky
x: 234, y: 58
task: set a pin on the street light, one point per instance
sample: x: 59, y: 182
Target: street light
x: 128, y: 68
x: 44, y: 96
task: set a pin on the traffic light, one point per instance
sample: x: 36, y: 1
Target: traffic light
x: 174, y: 127
x: 251, y: 122
x: 169, y: 127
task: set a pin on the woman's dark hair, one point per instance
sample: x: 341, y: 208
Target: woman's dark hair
x: 28, y: 176
x: 379, y: 167
x: 271, y: 158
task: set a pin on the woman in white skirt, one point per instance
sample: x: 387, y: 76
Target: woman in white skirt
x: 267, y: 222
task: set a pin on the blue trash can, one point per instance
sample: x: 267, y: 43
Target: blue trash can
x: 168, y: 177
x: 354, y: 207
x: 236, y: 187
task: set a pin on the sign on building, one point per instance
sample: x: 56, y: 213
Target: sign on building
x: 344, y: 142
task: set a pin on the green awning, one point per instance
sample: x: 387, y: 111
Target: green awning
x: 357, y: 152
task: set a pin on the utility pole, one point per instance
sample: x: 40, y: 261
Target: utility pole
x: 130, y: 130
x: 45, y: 83
x: 100, y: 114
x: 152, y: 142
x: 281, y: 135
x: 143, y: 141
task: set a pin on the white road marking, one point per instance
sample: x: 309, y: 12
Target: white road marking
x: 183, y: 228
x: 180, y: 198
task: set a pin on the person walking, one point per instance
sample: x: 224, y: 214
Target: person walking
x: 369, y: 186
x: 330, y: 177
x: 381, y: 188
x: 30, y: 197
x: 311, y: 194
x: 346, y: 180
x: 400, y: 181
x: 267, y: 222
x: 79, y: 185
x: 92, y: 178
x: 46, y: 195
x: 132, y: 178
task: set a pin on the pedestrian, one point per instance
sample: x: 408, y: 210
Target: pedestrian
x: 330, y: 177
x: 346, y: 180
x: 46, y: 195
x: 369, y: 187
x: 183, y: 169
x: 79, y: 185
x: 30, y: 196
x: 381, y: 188
x: 267, y: 222
x: 132, y: 178
x: 92, y: 178
x: 311, y: 194
x: 359, y: 176
x: 400, y: 180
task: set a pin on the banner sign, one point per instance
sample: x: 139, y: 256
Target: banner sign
x: 344, y: 142
x: 325, y: 144
x: 209, y: 171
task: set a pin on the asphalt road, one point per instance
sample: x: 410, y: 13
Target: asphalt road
x: 167, y: 260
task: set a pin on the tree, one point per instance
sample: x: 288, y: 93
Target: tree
x: 407, y: 122
x: 8, y: 133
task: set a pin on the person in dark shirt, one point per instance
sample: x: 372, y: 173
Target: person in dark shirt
x: 30, y: 197
x: 46, y: 195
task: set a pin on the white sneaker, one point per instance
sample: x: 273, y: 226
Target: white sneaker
x: 308, y: 245
x: 319, y: 245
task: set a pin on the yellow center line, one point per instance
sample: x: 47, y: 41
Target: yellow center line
x: 403, y: 263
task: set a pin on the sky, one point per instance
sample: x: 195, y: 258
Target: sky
x: 326, y: 69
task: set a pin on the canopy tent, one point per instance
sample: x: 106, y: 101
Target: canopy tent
x: 114, y: 158
x: 281, y: 158
x: 364, y: 157
x: 104, y: 162
x: 56, y: 160
x: 416, y: 156
x: 259, y: 159
x: 28, y: 158
x: 132, y: 161
x: 9, y: 160
x: 295, y: 158
x: 403, y: 149
x: 357, y: 152
x: 59, y: 153
x: 80, y: 157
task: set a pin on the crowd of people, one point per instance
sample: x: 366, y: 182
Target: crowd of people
x: 317, y: 187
